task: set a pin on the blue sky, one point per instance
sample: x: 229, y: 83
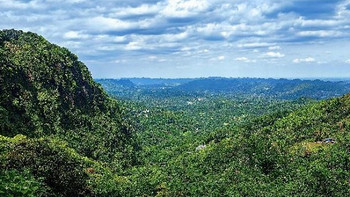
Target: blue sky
x: 194, y: 38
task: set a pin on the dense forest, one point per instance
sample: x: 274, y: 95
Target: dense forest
x: 61, y: 134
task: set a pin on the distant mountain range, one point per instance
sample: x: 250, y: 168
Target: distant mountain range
x: 281, y: 88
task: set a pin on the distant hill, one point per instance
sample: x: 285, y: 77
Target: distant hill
x: 158, y: 81
x: 282, y: 88
x: 277, y: 88
x: 112, y: 83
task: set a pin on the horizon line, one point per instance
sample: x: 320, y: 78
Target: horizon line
x: 211, y: 77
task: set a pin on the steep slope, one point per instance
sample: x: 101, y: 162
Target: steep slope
x: 60, y: 134
x: 46, y: 91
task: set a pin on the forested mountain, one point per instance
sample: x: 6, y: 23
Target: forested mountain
x: 46, y: 91
x: 276, y: 88
x: 281, y: 88
x: 62, y: 135
x: 158, y: 81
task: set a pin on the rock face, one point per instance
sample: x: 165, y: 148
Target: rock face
x: 45, y: 90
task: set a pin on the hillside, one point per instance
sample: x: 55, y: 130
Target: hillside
x: 46, y: 92
x: 274, y: 155
x: 300, y: 151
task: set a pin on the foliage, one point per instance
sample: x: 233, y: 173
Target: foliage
x: 15, y: 183
x: 253, y: 146
x: 46, y: 91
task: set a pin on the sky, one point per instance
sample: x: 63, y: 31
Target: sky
x: 194, y: 38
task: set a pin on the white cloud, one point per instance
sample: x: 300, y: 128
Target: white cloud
x: 318, y: 22
x: 72, y: 44
x: 120, y: 61
x: 152, y: 57
x: 274, y: 54
x: 274, y: 47
x: 21, y: 5
x: 244, y: 59
x: 212, y: 31
x: 184, y: 8
x: 301, y: 60
x: 255, y: 44
x: 107, y: 48
x: 101, y: 23
x: 218, y: 58
x: 347, y: 61
x: 119, y: 39
x: 174, y: 37
x: 221, y: 57
x: 143, y: 9
x: 73, y: 1
x: 321, y: 33
x: 133, y: 46
x: 75, y: 35
x: 186, y: 49
x: 241, y: 59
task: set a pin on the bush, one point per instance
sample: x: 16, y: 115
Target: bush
x: 20, y: 183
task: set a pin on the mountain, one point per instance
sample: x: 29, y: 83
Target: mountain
x: 48, y: 95
x: 269, y: 88
x: 116, y: 83
x: 281, y: 88
x: 158, y: 81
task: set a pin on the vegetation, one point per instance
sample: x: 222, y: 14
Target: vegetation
x: 227, y: 87
x: 62, y: 135
x: 47, y: 92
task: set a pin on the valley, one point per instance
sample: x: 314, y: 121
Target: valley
x: 63, y: 133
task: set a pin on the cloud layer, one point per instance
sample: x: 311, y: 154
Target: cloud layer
x: 188, y: 38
